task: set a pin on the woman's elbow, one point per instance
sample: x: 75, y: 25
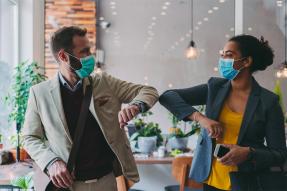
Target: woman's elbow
x: 165, y: 96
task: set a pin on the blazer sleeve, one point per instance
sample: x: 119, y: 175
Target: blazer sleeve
x: 33, y: 135
x: 275, y: 153
x: 180, y: 102
x: 131, y: 93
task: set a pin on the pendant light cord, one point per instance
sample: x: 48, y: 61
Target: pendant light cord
x: 285, y: 32
x: 192, y: 31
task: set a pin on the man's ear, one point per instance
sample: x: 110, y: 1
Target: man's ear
x: 62, y: 56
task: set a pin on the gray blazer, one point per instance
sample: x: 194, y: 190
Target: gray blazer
x: 263, y: 120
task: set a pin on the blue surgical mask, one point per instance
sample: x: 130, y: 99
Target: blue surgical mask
x: 88, y: 65
x: 226, y: 69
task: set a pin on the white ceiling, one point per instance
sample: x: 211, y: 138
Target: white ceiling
x: 157, y: 26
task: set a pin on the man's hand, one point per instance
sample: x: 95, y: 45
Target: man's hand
x: 214, y: 128
x: 127, y: 114
x: 60, y: 175
x: 235, y: 156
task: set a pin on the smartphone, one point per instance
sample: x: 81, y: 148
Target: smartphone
x: 220, y: 150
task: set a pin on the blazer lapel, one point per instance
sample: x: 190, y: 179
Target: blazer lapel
x: 249, y: 110
x: 92, y: 108
x: 219, y: 100
x: 57, y: 100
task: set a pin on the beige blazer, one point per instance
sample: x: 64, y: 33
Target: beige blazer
x: 45, y: 132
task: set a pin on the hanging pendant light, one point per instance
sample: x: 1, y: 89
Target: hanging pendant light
x: 282, y: 70
x: 191, y: 51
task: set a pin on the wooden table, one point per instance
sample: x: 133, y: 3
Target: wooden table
x: 153, y: 160
x: 148, y: 159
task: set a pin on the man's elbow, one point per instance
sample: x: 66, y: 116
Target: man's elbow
x: 153, y: 95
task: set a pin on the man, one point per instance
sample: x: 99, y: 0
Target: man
x: 54, y: 108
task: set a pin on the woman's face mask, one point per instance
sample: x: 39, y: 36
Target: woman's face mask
x: 88, y: 65
x: 226, y: 69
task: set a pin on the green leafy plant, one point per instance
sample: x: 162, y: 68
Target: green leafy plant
x: 194, y: 124
x: 175, y: 131
x: 174, y: 121
x: 0, y: 138
x: 24, y: 182
x: 175, y: 152
x: 25, y: 76
x: 146, y: 129
x: 178, y: 133
x: 141, y: 120
x: 277, y: 90
x: 14, y: 140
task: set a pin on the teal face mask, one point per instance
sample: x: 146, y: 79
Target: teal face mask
x: 88, y: 65
x: 226, y: 69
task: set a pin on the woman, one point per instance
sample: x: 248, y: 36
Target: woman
x: 239, y: 114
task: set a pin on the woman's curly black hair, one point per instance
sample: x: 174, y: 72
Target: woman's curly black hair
x: 258, y: 49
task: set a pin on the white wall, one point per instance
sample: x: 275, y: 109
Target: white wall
x: 31, y: 14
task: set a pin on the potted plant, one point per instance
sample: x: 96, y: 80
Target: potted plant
x: 14, y: 142
x: 178, y: 139
x: 148, y: 135
x: 26, y: 74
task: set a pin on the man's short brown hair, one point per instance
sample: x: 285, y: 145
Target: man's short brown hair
x: 63, y: 39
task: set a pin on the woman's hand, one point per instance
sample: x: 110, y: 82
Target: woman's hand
x: 235, y: 156
x: 214, y: 128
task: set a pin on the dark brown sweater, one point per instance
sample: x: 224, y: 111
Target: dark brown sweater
x: 95, y: 157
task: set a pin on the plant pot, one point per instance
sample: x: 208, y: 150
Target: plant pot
x: 23, y: 154
x: 178, y: 143
x: 1, y: 146
x: 132, y: 129
x: 147, y: 144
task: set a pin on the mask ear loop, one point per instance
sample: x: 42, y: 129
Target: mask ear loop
x: 236, y: 61
x: 74, y: 57
x: 69, y: 66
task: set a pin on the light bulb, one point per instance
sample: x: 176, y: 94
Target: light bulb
x: 278, y: 74
x: 191, y: 53
x: 284, y: 72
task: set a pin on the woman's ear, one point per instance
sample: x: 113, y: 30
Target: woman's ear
x: 248, y: 61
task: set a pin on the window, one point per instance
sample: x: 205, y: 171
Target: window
x: 8, y: 54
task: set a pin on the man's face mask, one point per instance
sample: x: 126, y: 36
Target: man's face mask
x: 88, y: 65
x: 226, y: 69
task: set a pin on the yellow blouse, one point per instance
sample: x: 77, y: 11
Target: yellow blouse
x: 231, y: 122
